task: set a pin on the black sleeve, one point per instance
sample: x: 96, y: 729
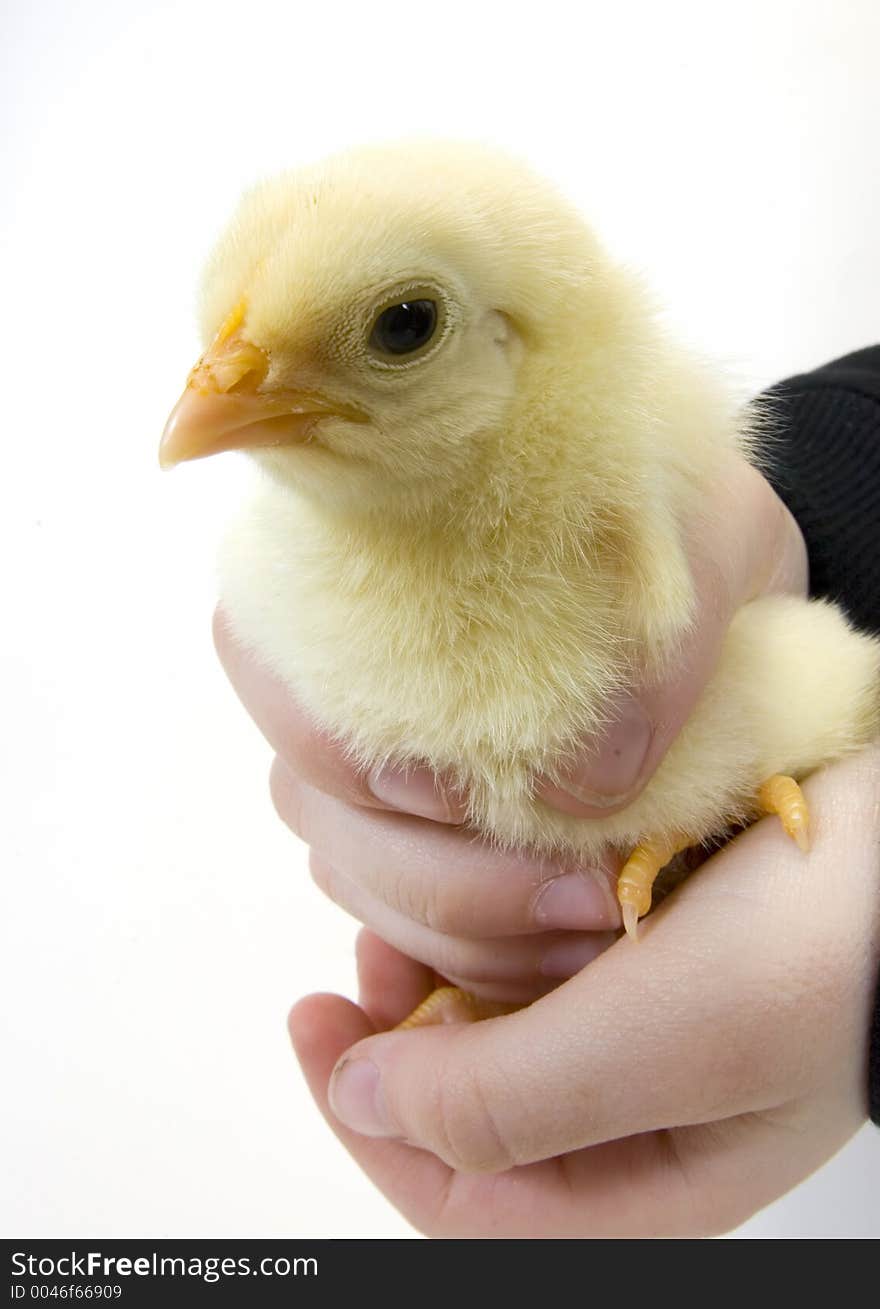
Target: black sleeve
x: 824, y: 461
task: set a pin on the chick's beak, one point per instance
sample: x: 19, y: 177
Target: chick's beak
x: 223, y: 407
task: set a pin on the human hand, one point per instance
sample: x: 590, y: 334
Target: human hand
x: 509, y: 926
x: 671, y: 1089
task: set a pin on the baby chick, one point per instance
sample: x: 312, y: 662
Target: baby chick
x: 480, y: 448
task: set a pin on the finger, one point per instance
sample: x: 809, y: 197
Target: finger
x: 718, y: 1011
x: 441, y: 877
x: 317, y: 755
x: 511, y: 969
x: 746, y: 544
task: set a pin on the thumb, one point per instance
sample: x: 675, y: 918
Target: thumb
x: 716, y: 1012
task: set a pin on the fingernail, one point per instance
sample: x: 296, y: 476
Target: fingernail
x: 610, y: 771
x: 566, y: 958
x: 356, y: 1098
x: 412, y: 790
x: 577, y: 900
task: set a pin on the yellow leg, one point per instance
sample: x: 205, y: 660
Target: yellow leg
x: 639, y: 874
x: 449, y: 1004
x: 781, y: 795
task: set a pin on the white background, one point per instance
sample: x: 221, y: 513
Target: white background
x: 160, y: 920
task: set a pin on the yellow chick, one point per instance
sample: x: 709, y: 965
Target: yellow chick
x: 479, y: 449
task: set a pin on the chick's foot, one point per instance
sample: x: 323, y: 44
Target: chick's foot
x: 449, y: 1004
x: 781, y: 795
x: 640, y: 872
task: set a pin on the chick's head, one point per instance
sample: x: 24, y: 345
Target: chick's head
x: 366, y: 319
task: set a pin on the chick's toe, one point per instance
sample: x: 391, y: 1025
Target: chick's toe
x: 640, y: 872
x: 781, y: 795
x: 450, y: 1004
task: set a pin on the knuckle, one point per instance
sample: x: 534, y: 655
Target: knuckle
x: 436, y: 907
x: 418, y: 884
x: 405, y: 891
x: 435, y: 904
x: 471, y: 1139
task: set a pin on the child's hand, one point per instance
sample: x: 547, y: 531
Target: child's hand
x: 508, y: 926
x: 671, y: 1089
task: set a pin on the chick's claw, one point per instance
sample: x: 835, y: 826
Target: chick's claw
x: 630, y: 920
x: 781, y: 795
x: 638, y: 875
x: 449, y: 1004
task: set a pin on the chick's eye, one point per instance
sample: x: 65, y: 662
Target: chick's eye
x: 403, y: 328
